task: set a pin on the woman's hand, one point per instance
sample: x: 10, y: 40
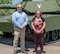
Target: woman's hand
x: 37, y: 32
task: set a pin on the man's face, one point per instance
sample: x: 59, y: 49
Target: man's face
x: 19, y: 7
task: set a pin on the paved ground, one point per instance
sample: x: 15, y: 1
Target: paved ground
x: 6, y: 47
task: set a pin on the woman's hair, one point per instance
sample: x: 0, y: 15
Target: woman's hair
x: 39, y: 12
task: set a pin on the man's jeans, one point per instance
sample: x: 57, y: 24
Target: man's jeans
x: 18, y: 33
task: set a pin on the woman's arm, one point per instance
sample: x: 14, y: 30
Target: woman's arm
x: 33, y: 26
x: 44, y: 25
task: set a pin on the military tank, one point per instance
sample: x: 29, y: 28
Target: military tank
x: 50, y: 11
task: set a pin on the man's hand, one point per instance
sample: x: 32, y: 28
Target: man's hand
x: 21, y: 27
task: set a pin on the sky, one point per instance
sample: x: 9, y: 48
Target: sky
x: 17, y: 1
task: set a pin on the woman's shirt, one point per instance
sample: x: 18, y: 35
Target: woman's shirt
x: 38, y: 23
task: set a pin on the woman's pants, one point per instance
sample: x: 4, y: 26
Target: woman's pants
x: 38, y: 38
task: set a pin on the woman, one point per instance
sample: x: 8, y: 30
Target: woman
x: 38, y: 25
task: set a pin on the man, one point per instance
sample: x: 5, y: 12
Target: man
x: 19, y: 19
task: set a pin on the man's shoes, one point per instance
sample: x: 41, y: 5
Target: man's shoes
x: 34, y: 52
x: 14, y: 52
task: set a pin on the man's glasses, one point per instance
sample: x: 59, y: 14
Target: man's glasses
x: 19, y: 7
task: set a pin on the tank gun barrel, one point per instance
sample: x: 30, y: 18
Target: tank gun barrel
x: 31, y: 7
x: 7, y: 6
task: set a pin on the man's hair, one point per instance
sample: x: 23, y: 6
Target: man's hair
x: 19, y: 4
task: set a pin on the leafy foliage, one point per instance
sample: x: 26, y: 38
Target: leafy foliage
x: 5, y: 1
x: 27, y: 0
x: 0, y: 2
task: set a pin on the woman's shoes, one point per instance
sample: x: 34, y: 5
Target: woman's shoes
x: 43, y: 52
x: 23, y: 51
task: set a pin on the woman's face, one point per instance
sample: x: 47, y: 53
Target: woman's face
x: 38, y: 14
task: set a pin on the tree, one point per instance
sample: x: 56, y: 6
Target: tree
x: 0, y: 2
x: 27, y: 0
x: 5, y: 1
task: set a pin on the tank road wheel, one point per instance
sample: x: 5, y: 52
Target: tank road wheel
x: 29, y: 35
x: 54, y: 35
x: 59, y: 33
x: 7, y: 35
x: 46, y: 37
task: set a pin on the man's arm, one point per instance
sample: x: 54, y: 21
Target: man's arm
x: 25, y: 21
x: 14, y: 20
